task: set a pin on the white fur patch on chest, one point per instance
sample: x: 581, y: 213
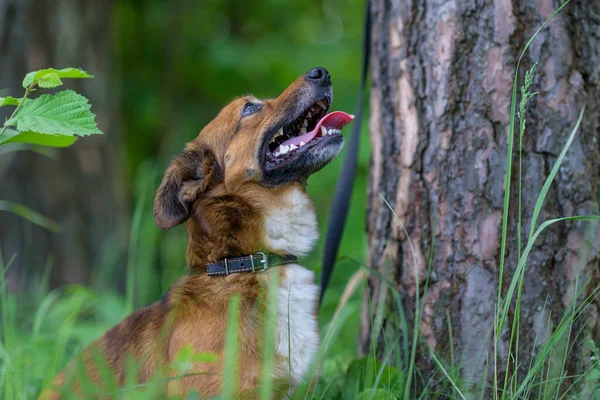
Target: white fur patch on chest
x: 292, y: 227
x: 298, y: 336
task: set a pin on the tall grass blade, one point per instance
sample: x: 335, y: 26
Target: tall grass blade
x: 30, y: 215
x: 542, y: 196
x: 450, y: 379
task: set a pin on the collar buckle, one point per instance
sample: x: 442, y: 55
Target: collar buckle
x: 264, y: 262
x: 226, y: 267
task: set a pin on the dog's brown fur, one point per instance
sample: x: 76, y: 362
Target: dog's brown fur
x: 216, y: 184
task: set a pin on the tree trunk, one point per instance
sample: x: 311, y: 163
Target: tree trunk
x: 442, y: 76
x: 82, y: 188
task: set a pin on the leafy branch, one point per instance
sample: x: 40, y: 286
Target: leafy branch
x: 49, y: 120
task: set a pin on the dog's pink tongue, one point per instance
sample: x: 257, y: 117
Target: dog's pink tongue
x: 334, y: 120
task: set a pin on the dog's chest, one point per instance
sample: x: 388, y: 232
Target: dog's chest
x: 297, y: 332
x: 292, y: 226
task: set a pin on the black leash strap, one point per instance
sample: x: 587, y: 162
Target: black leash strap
x: 343, y: 191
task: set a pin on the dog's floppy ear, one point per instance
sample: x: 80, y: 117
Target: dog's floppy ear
x: 189, y: 175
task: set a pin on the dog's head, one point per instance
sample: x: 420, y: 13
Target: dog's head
x: 269, y: 143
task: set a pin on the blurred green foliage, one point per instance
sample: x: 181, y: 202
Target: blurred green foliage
x: 179, y: 63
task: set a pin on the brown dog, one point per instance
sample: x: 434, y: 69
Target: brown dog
x: 240, y: 185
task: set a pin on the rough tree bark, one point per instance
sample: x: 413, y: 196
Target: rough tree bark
x: 442, y: 75
x: 83, y: 187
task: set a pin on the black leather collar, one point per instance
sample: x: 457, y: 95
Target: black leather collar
x: 256, y: 262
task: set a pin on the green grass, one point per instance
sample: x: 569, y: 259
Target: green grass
x: 43, y: 329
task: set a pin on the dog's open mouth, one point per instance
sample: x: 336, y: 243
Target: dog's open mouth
x: 312, y: 127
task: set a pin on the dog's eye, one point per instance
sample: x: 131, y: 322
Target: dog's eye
x: 251, y: 108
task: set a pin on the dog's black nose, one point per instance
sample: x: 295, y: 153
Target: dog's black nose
x: 319, y: 76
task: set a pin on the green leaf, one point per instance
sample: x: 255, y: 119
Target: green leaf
x: 30, y: 215
x: 66, y: 113
x: 9, y: 101
x: 35, y: 76
x: 50, y: 81
x: 14, y: 136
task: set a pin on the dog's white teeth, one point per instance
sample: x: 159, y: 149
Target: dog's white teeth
x: 279, y: 133
x: 302, y: 131
x: 293, y: 147
x: 283, y: 149
x: 321, y: 104
x: 330, y: 132
x: 277, y: 154
x: 323, y: 131
x: 306, y: 123
x: 302, y: 144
